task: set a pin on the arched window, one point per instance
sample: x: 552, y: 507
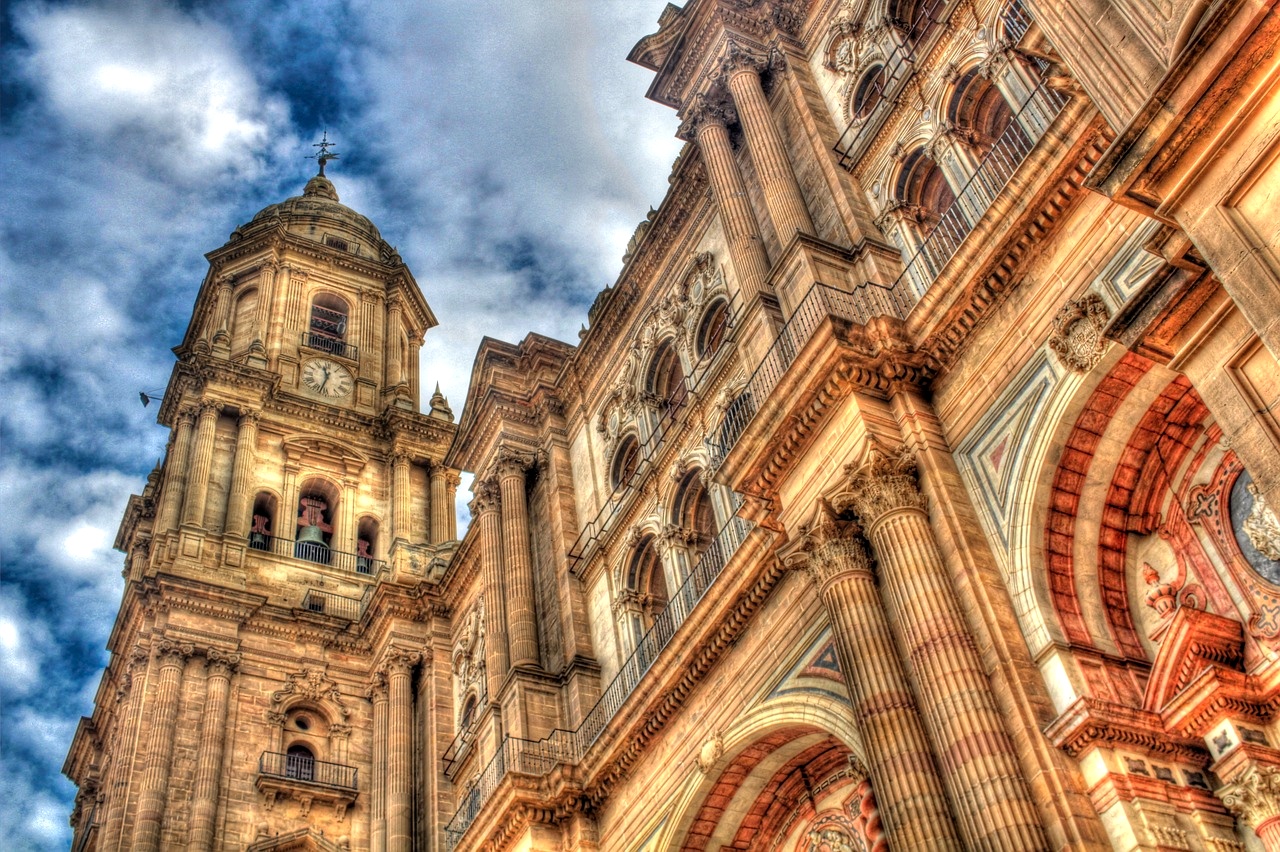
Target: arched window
x: 922, y: 184
x: 693, y: 511
x: 328, y: 329
x: 868, y: 94
x: 468, y: 713
x: 647, y: 585
x: 626, y: 460
x: 243, y: 320
x: 917, y: 18
x: 366, y: 545
x: 666, y: 378
x: 978, y: 107
x: 712, y: 329
x: 316, y: 506
x: 263, y: 523
x: 300, y: 763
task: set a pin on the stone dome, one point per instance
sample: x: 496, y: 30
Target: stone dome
x: 318, y: 215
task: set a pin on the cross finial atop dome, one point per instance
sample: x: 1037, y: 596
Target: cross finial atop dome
x: 324, y: 155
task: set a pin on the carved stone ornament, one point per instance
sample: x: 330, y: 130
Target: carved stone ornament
x: 884, y: 483
x: 173, y: 653
x: 1262, y: 526
x: 1254, y: 795
x: 829, y: 840
x: 711, y: 752
x: 830, y: 548
x: 468, y: 654
x: 1077, y: 332
x: 308, y: 684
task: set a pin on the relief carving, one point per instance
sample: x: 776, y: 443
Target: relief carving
x: 1077, y: 333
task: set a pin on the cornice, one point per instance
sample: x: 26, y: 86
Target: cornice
x: 1091, y: 722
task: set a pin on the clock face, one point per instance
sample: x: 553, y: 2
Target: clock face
x: 327, y: 378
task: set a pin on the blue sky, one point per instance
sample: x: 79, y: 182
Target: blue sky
x: 505, y: 147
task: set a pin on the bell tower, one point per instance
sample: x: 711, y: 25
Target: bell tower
x: 282, y: 557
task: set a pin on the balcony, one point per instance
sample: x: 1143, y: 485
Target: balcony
x: 306, y: 780
x: 317, y: 553
x: 528, y: 757
x: 331, y: 345
x: 335, y: 606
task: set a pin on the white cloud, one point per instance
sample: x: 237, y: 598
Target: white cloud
x: 140, y: 75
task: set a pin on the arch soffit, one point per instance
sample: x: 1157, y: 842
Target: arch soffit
x: 808, y: 719
x: 1099, y: 429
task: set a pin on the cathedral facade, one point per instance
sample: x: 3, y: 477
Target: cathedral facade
x: 911, y: 488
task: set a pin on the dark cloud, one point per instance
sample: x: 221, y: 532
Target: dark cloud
x: 504, y: 147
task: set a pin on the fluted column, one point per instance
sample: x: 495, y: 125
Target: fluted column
x: 280, y: 306
x: 485, y: 508
x: 238, y: 501
x: 220, y: 665
x: 201, y: 465
x: 977, y: 757
x: 440, y: 509
x: 911, y: 798
x: 709, y: 125
x: 395, y: 324
x: 399, y: 669
x: 175, y: 484
x: 401, y: 523
x: 781, y: 190
x: 521, y: 617
x: 452, y: 480
x: 124, y: 741
x: 171, y: 658
x: 377, y: 695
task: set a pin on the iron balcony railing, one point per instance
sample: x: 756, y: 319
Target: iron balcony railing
x: 871, y: 300
x: 338, y: 606
x: 991, y: 176
x: 332, y: 345
x: 317, y: 552
x: 562, y: 746
x: 299, y: 767
x: 595, y: 529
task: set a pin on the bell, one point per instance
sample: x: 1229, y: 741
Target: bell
x: 312, y: 535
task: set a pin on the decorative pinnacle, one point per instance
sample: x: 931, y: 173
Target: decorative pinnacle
x: 324, y: 155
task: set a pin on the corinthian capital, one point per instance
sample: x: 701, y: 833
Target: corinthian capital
x: 400, y: 661
x: 173, y: 653
x: 831, y: 548
x: 1254, y: 795
x: 886, y: 482
x: 377, y: 688
x: 486, y: 498
x: 221, y: 663
x: 512, y: 461
x: 707, y: 110
x: 738, y: 58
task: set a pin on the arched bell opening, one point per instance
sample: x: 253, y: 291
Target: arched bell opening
x: 263, y: 521
x: 316, y: 510
x: 329, y: 321
x: 366, y: 544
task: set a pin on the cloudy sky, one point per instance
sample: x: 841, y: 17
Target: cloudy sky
x: 504, y: 146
